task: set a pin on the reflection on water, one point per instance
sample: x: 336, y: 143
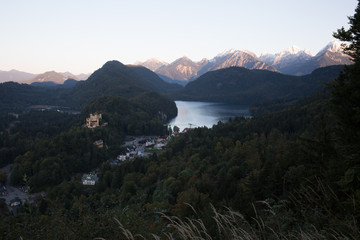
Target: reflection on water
x: 198, y: 114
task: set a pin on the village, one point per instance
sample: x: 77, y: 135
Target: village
x: 134, y: 146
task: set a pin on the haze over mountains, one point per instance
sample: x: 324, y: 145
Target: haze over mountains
x: 15, y: 76
x: 292, y: 61
x: 50, y: 76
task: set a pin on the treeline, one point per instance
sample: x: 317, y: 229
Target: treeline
x: 16, y: 98
x: 22, y: 134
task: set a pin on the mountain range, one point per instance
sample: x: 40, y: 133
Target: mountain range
x: 50, y: 76
x: 292, y: 61
x: 15, y: 76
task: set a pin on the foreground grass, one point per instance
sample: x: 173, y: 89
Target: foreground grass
x: 232, y: 225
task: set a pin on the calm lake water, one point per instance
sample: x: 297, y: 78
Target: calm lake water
x: 200, y: 114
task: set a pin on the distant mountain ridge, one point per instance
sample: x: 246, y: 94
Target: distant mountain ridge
x: 236, y: 58
x: 69, y: 83
x: 153, y: 64
x: 183, y: 70
x: 15, y: 76
x: 292, y: 61
x: 57, y: 78
x: 50, y: 76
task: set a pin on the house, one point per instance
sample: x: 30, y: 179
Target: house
x: 14, y: 205
x: 121, y: 157
x: 3, y: 190
x: 15, y: 202
x: 150, y: 144
x: 99, y: 143
x: 93, y: 121
x: 160, y: 145
x: 174, y: 134
x: 89, y: 179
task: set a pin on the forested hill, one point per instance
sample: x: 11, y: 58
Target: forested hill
x: 147, y: 105
x: 116, y: 79
x: 241, y: 85
x: 153, y: 81
x: 113, y: 79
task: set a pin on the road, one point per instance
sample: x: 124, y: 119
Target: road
x: 13, y: 192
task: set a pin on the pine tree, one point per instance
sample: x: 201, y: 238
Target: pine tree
x: 352, y: 36
x: 346, y: 107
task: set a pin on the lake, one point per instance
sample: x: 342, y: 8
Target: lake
x: 199, y: 114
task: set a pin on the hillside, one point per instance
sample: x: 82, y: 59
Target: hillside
x: 116, y: 79
x: 17, y: 97
x: 154, y: 82
x: 240, y: 85
x: 51, y: 76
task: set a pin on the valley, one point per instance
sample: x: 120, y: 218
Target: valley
x: 95, y: 174
x: 257, y: 142
x: 252, y: 140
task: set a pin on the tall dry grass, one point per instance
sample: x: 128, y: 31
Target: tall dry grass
x: 232, y: 225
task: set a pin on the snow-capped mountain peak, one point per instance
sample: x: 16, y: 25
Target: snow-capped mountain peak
x: 152, y: 63
x: 250, y: 53
x: 285, y: 55
x: 333, y: 46
x: 292, y: 50
x: 307, y: 51
x: 227, y: 52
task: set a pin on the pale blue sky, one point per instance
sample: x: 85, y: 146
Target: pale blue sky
x: 81, y: 35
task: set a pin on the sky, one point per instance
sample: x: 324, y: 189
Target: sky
x: 79, y: 36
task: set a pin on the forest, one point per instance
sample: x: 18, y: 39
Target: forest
x: 292, y: 171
